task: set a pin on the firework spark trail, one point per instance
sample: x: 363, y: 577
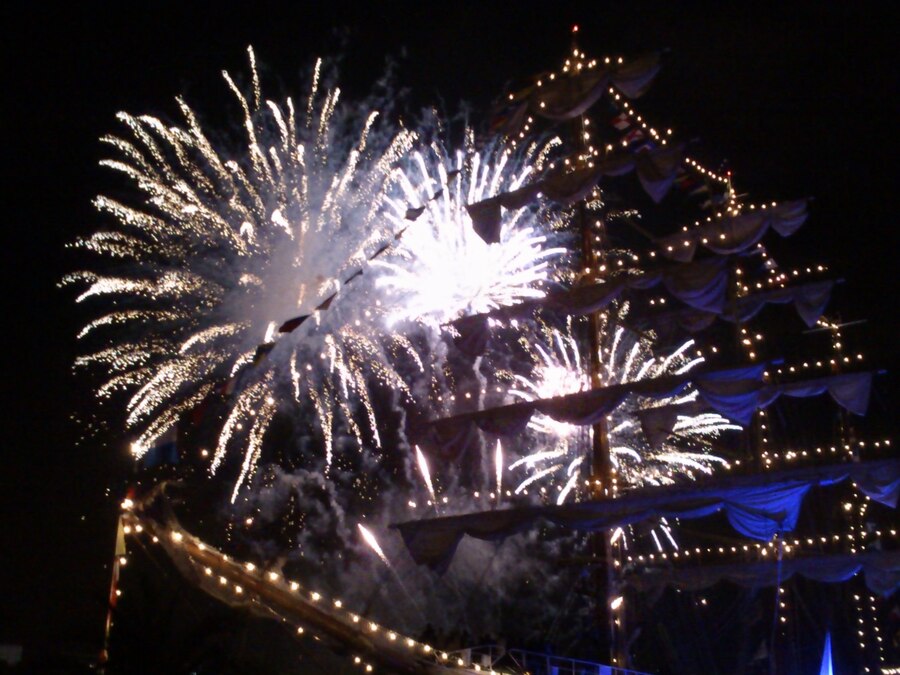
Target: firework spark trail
x: 574, y: 474
x: 371, y: 541
x: 558, y: 371
x: 426, y: 475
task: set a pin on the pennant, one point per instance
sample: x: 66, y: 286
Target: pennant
x: 359, y: 272
x: 508, y: 121
x: 327, y: 302
x: 199, y: 411
x: 714, y: 201
x: 645, y: 145
x: 291, y: 325
x: 656, y: 169
x: 227, y: 387
x: 262, y: 351
x: 684, y: 181
x: 703, y: 188
x: 621, y: 122
x: 634, y: 136
x: 414, y: 213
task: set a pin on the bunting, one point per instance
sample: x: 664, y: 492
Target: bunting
x: 621, y: 122
x: 412, y: 214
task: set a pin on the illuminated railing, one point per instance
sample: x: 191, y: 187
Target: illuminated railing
x: 489, y: 657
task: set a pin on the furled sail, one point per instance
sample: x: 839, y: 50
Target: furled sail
x: 809, y: 301
x: 735, y: 393
x: 733, y: 234
x: 655, y: 167
x: 881, y: 570
x: 568, y: 97
x: 727, y: 389
x: 700, y: 285
x: 757, y: 506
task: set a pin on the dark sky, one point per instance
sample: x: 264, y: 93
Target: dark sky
x: 801, y: 99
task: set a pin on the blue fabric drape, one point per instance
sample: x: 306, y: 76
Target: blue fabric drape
x: 757, y: 506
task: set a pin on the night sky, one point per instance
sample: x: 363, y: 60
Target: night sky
x: 799, y: 99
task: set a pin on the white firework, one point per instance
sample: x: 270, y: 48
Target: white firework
x: 443, y: 270
x: 220, y: 250
x: 560, y: 458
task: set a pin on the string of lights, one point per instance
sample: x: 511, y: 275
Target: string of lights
x: 248, y: 581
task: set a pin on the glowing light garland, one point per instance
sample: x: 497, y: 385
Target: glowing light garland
x: 241, y: 578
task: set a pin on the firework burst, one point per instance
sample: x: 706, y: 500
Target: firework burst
x: 558, y: 371
x: 443, y: 269
x: 219, y: 251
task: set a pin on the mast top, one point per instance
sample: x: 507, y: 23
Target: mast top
x: 574, y: 34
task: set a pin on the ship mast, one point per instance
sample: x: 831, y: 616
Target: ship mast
x: 603, y: 483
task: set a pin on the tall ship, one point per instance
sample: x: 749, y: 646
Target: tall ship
x: 655, y: 428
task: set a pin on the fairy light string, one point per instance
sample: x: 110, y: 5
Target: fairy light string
x: 248, y: 582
